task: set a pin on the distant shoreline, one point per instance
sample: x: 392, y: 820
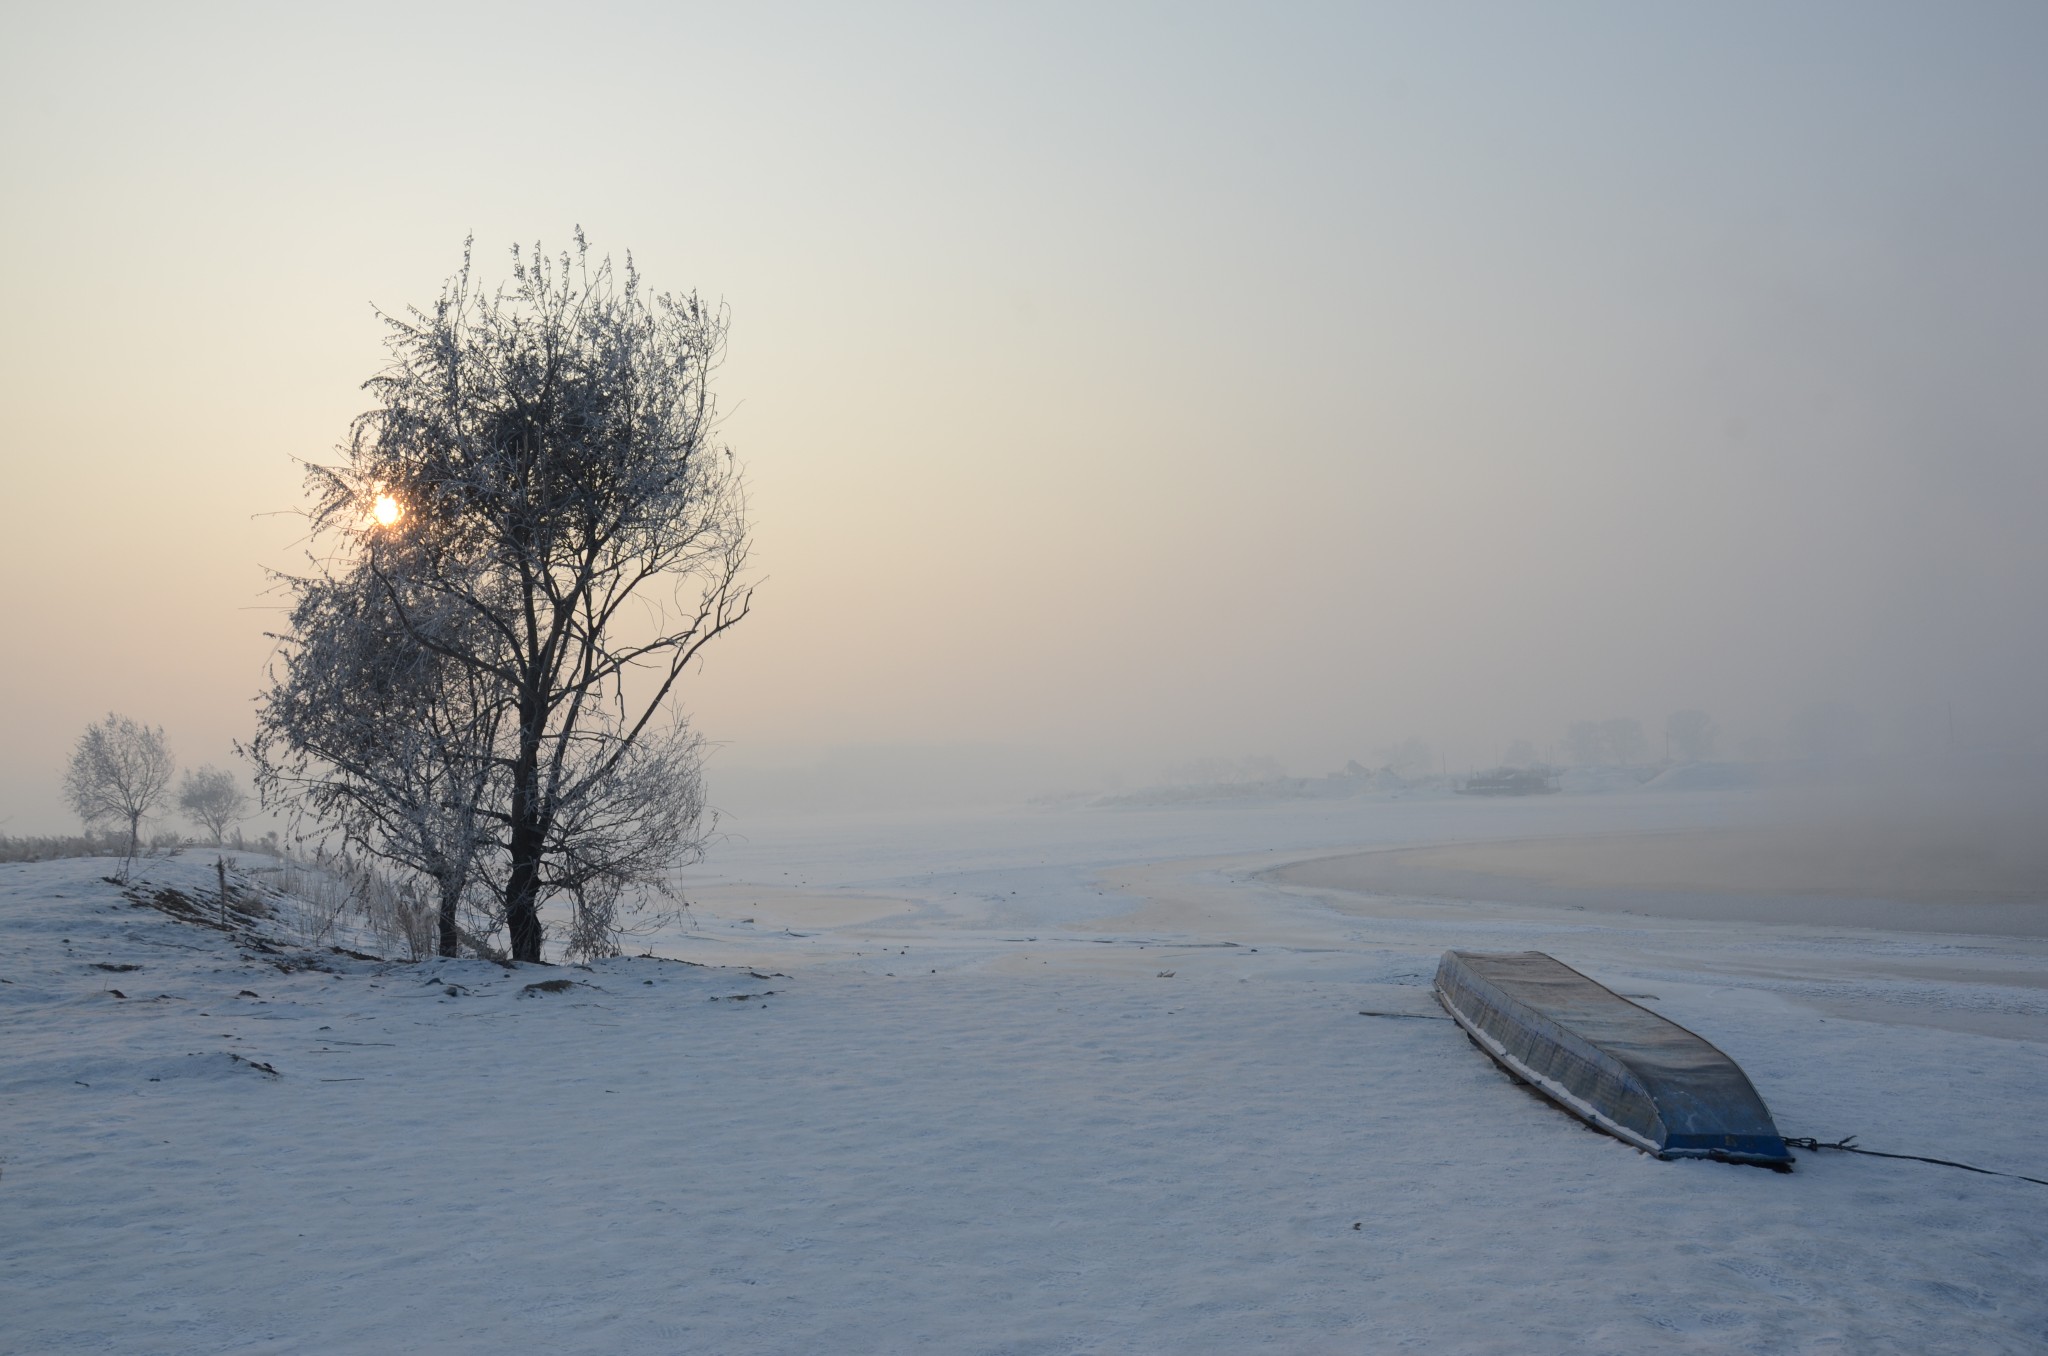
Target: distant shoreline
x: 1814, y: 875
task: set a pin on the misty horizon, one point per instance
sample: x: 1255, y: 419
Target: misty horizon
x: 1114, y: 391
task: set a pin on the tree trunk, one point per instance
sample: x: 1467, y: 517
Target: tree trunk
x: 522, y: 891
x: 451, y: 937
x: 522, y: 887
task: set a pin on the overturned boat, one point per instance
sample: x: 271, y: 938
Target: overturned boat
x: 1618, y: 1067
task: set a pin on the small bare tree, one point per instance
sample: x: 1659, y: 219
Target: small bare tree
x: 119, y: 773
x: 210, y: 799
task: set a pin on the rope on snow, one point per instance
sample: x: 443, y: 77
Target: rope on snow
x: 1847, y: 1144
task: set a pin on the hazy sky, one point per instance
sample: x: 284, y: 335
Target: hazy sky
x: 1125, y: 383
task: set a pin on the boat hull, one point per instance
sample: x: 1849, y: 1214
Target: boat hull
x: 1615, y: 1065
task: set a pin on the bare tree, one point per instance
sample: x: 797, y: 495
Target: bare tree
x: 210, y: 799
x: 119, y: 772
x: 648, y: 818
x: 545, y: 532
x: 1691, y: 735
x: 368, y: 733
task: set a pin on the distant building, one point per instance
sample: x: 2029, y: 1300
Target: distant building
x: 1511, y: 781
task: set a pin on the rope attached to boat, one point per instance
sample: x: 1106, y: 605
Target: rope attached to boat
x: 1848, y: 1145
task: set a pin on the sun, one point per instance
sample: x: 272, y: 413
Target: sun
x: 386, y: 510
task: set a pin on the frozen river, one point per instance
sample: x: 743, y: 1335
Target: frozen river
x: 1040, y: 1081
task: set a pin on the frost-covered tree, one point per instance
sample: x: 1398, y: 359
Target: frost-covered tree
x: 210, y: 799
x: 119, y: 773
x: 537, y: 532
x: 373, y: 735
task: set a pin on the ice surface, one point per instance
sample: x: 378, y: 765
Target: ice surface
x: 1045, y: 1082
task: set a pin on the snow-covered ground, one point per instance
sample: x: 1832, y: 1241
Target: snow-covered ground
x: 1040, y: 1082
